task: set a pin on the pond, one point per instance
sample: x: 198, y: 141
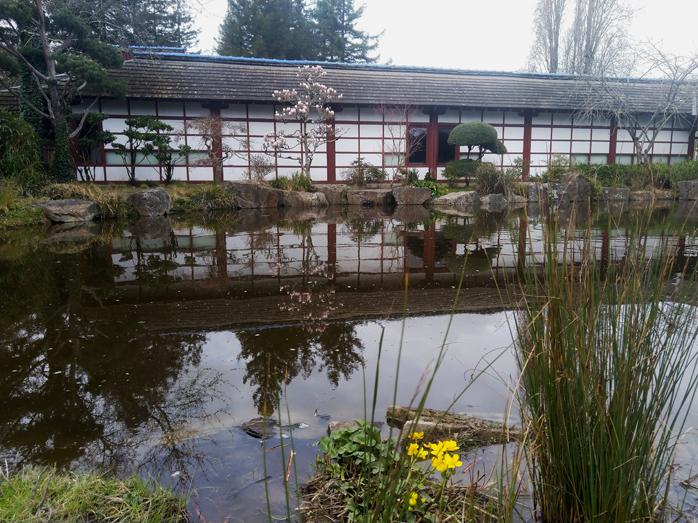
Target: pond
x: 147, y: 347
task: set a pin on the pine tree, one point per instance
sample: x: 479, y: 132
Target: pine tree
x: 158, y: 23
x: 337, y: 38
x: 62, y: 56
x: 267, y: 29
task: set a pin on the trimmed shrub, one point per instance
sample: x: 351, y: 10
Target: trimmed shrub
x: 473, y: 134
x: 460, y: 170
x: 437, y: 189
x: 20, y: 159
x: 362, y: 173
x: 661, y: 176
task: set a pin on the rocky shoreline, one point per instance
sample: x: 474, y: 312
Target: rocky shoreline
x: 245, y: 195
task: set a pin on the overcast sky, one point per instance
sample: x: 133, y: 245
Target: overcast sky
x: 479, y: 34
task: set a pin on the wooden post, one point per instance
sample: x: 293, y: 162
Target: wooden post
x: 612, y: 142
x: 217, y: 139
x: 528, y: 126
x: 690, y: 153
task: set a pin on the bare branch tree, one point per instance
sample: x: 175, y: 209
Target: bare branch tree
x: 212, y: 130
x: 596, y: 42
x: 545, y: 52
x: 643, y: 117
x: 396, y: 119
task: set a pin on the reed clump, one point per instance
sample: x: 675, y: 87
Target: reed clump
x: 608, y: 372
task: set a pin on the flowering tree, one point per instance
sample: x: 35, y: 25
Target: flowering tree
x: 308, y: 106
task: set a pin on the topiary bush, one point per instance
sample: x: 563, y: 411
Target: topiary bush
x: 20, y: 159
x: 640, y: 176
x: 473, y: 134
x: 460, y: 170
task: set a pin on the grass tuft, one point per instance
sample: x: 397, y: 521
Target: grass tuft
x: 37, y: 494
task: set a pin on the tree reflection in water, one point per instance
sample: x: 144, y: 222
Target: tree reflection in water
x: 83, y: 391
x: 275, y: 356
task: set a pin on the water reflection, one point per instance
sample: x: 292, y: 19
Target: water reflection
x: 143, y: 346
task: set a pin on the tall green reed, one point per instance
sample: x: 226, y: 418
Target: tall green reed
x: 608, y: 371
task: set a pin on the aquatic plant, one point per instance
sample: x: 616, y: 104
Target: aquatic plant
x: 608, y: 372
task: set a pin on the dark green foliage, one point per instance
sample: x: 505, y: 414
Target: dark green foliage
x: 491, y: 180
x: 411, y: 176
x: 473, y: 134
x: 497, y: 147
x: 460, y: 170
x: 19, y: 153
x: 60, y: 165
x: 167, y: 155
x: 286, y: 29
x: 437, y: 189
x: 88, y: 144
x: 282, y: 182
x: 336, y: 37
x: 640, y: 176
x: 55, y: 69
x: 266, y: 29
x: 362, y: 173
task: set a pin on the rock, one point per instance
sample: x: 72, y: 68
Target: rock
x: 370, y: 197
x: 688, y: 190
x: 575, y: 188
x: 260, y: 428
x: 335, y: 194
x: 663, y: 194
x: 69, y: 211
x: 457, y: 199
x: 516, y: 200
x: 493, y: 203
x: 71, y: 237
x: 250, y: 195
x: 615, y: 194
x: 550, y: 192
x: 302, y: 200
x: 436, y: 424
x: 534, y: 191
x: 334, y: 426
x: 151, y: 202
x: 641, y: 196
x: 406, y: 195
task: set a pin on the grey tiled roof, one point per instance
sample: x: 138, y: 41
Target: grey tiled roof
x: 193, y: 78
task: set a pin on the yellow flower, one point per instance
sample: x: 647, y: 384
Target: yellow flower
x: 417, y: 435
x: 450, y: 445
x: 452, y: 461
x: 413, y: 449
x: 436, y: 448
x: 413, y: 499
x: 423, y: 454
x: 439, y: 464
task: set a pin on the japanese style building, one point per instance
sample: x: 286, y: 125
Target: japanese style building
x: 385, y: 111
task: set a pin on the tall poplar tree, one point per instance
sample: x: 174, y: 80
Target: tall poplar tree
x: 337, y: 37
x: 266, y: 29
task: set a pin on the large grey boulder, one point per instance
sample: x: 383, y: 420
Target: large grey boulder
x: 303, y: 200
x: 534, y: 191
x: 615, y: 194
x: 641, y: 196
x: 575, y: 188
x: 406, y: 195
x: 516, y: 200
x: 70, y: 210
x: 688, y: 190
x: 151, y: 202
x: 250, y: 195
x: 335, y: 194
x: 457, y: 199
x: 370, y: 197
x: 493, y: 203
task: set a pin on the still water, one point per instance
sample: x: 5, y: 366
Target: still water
x: 144, y: 347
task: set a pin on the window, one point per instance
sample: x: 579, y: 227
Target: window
x: 417, y: 145
x: 446, y: 152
